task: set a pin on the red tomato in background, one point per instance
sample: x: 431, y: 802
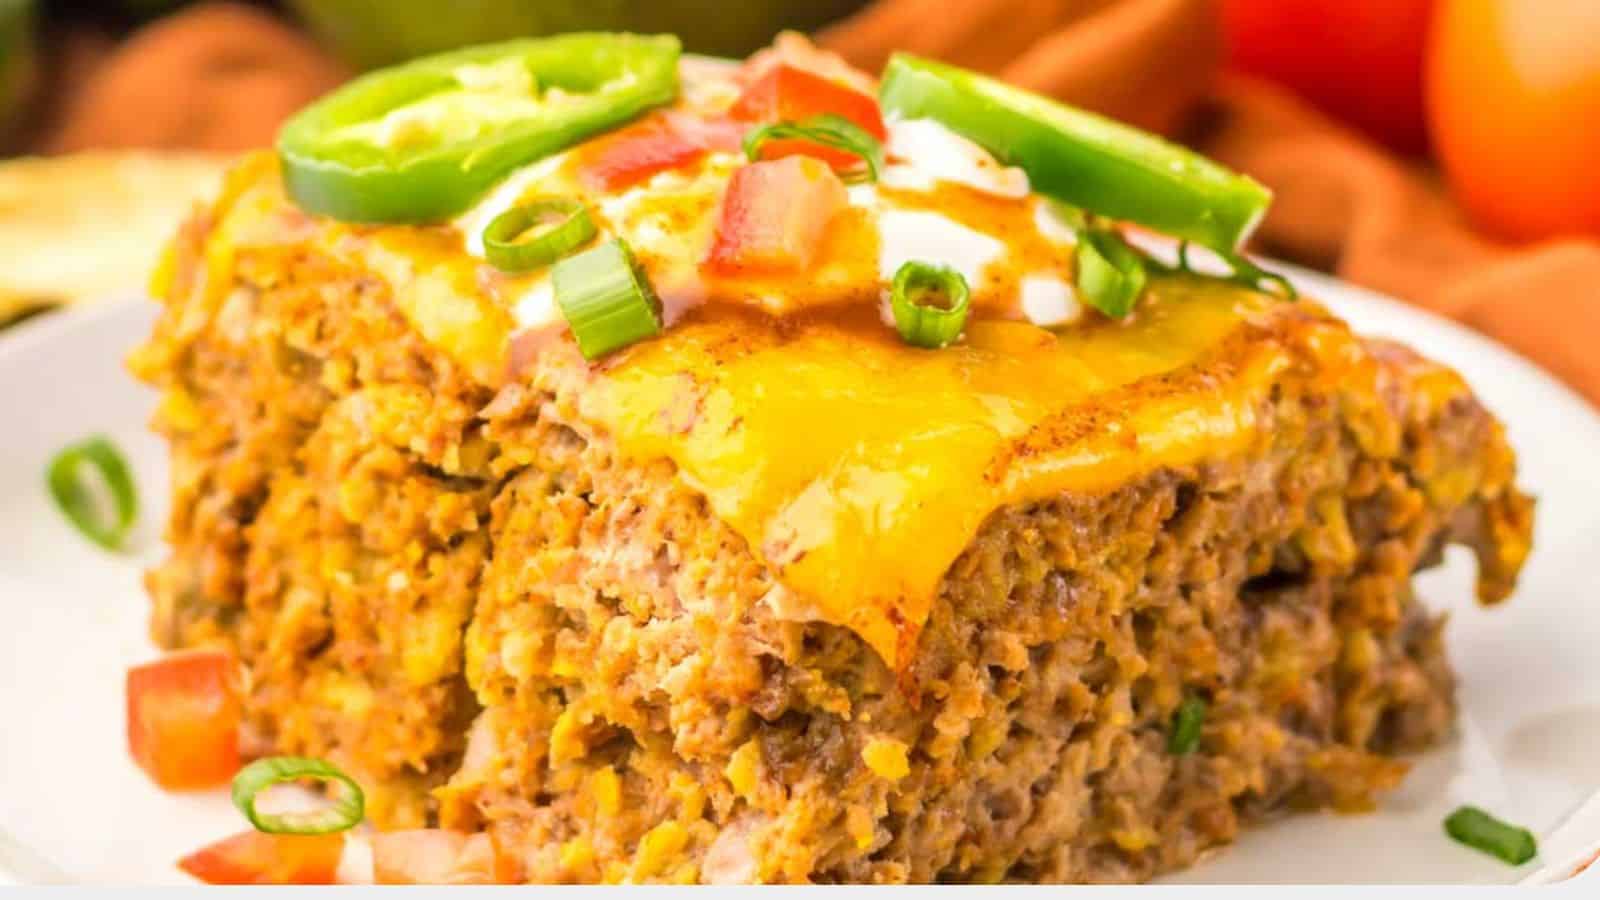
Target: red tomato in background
x: 1358, y: 60
x: 1514, y: 106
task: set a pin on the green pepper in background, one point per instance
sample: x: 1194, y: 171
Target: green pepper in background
x: 421, y: 141
x: 18, y: 74
x: 371, y: 33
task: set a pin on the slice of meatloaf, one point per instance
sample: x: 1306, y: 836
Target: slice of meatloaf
x: 654, y: 710
x: 465, y: 593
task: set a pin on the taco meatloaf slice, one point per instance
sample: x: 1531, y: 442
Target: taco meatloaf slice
x: 659, y: 706
x: 774, y: 595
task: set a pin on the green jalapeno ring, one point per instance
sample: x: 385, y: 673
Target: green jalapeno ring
x: 341, y: 158
x: 536, y: 233
x: 1080, y: 158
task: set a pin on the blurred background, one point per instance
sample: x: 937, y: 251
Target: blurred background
x: 1446, y: 152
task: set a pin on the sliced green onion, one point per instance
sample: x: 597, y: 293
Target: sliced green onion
x: 1253, y: 276
x: 1111, y: 275
x: 537, y: 233
x: 1244, y: 272
x: 930, y: 304
x: 827, y: 129
x: 1112, y: 272
x: 76, y: 496
x: 345, y: 808
x: 1477, y: 829
x: 606, y: 299
x: 1186, y: 723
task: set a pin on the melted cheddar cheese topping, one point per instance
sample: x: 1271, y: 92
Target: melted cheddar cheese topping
x: 858, y: 468
x: 855, y: 466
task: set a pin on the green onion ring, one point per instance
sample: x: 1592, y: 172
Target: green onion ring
x: 346, y: 809
x: 506, y: 243
x: 75, y: 499
x: 1111, y: 275
x: 827, y: 129
x: 1253, y: 276
x: 606, y: 299
x: 1481, y: 831
x: 922, y: 324
x: 1186, y: 725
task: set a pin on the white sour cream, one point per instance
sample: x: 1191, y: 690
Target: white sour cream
x: 906, y: 235
x: 1048, y: 301
x: 923, y: 152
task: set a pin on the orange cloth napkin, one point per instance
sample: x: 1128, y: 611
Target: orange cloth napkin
x: 215, y: 77
x: 1343, y: 205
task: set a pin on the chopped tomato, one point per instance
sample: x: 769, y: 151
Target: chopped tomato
x: 1514, y: 104
x: 660, y: 142
x: 252, y: 857
x: 438, y: 856
x: 788, y: 93
x: 795, y: 49
x: 774, y: 216
x: 483, y: 856
x: 1359, y: 60
x: 713, y: 134
x: 183, y: 719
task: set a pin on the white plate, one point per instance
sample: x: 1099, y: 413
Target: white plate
x: 73, y: 807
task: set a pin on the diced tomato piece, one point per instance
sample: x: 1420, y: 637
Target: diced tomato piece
x: 722, y: 134
x: 484, y: 857
x: 774, y: 216
x: 795, y: 49
x: 636, y: 153
x: 252, y: 857
x: 439, y: 856
x: 788, y: 93
x: 183, y: 719
x: 660, y: 142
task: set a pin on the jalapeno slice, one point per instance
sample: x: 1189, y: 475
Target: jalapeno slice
x: 1081, y: 158
x: 421, y: 141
